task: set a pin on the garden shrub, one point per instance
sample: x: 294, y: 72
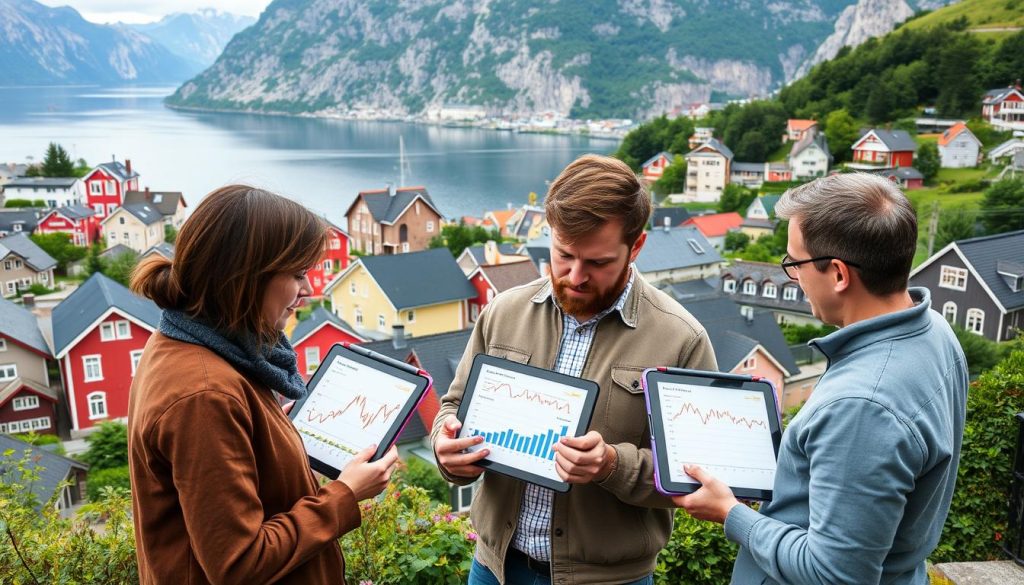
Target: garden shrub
x: 97, y: 482
x: 697, y: 553
x: 416, y: 472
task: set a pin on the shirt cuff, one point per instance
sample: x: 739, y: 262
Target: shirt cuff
x: 740, y: 522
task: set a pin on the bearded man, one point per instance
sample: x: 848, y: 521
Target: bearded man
x: 596, y: 318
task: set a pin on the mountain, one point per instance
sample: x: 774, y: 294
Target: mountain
x: 602, y: 58
x: 42, y: 45
x: 198, y: 37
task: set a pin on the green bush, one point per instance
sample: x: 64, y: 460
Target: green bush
x: 37, y: 545
x: 32, y: 438
x: 108, y: 447
x: 977, y: 517
x: 797, y: 334
x: 697, y: 553
x: 406, y: 538
x: 416, y: 472
x: 98, y: 481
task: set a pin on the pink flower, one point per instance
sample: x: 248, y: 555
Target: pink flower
x: 450, y: 517
x: 471, y: 535
x: 398, y: 494
x: 366, y: 582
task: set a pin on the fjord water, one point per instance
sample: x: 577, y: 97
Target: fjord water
x: 317, y: 162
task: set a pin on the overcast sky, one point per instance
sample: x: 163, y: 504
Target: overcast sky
x: 136, y: 11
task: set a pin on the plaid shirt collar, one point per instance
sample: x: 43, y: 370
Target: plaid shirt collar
x: 625, y: 305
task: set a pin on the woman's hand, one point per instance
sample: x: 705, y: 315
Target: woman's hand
x: 366, y: 479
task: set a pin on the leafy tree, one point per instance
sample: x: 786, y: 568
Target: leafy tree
x: 647, y: 140
x: 82, y: 168
x: 841, y: 130
x: 735, y: 198
x: 736, y: 241
x: 120, y: 267
x: 18, y: 203
x: 1002, y: 209
x: 956, y: 75
x: 928, y: 160
x: 458, y: 237
x: 108, y: 446
x: 94, y: 263
x: 59, y: 246
x: 418, y: 473
x: 170, y: 233
x: 880, y: 103
x: 57, y: 163
x: 981, y: 353
x: 957, y: 223
x: 752, y: 130
x: 673, y: 178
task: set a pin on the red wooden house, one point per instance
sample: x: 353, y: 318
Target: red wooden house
x: 880, y: 148
x: 98, y: 336
x: 313, y: 338
x: 334, y: 261
x: 489, y: 280
x: 78, y: 221
x: 106, y: 185
x: 1004, y: 107
x: 655, y: 166
x: 27, y: 401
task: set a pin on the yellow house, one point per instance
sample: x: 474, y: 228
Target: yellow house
x: 424, y: 291
x: 136, y: 225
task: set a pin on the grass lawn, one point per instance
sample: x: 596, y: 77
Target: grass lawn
x: 926, y: 138
x: 781, y: 153
x: 980, y: 13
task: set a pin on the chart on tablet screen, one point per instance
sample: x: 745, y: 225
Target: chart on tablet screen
x: 726, y: 432
x: 354, y: 407
x: 521, y: 417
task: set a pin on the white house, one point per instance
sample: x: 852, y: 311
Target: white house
x: 959, y: 147
x: 56, y: 192
x: 810, y: 156
x: 707, y: 171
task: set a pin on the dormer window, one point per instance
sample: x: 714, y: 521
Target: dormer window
x: 729, y: 285
x: 770, y: 290
x: 749, y: 287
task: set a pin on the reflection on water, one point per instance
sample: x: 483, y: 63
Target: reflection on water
x: 321, y: 163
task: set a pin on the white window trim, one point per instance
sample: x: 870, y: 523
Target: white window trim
x: 107, y: 331
x: 135, y: 356
x: 950, y: 275
x: 85, y: 367
x: 977, y: 316
x: 750, y: 363
x: 89, y: 400
x: 770, y: 290
x: 729, y: 285
x: 4, y: 377
x: 25, y: 402
x: 789, y: 293
x: 128, y: 329
x: 381, y: 322
x: 3, y: 344
x: 749, y: 287
x: 410, y: 316
x: 949, y: 311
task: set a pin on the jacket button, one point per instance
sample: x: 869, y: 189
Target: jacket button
x: 636, y: 384
x: 558, y: 532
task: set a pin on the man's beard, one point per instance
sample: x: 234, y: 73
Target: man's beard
x: 576, y: 306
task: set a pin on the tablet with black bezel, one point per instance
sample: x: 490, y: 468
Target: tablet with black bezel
x: 356, y: 398
x: 522, y: 411
x: 728, y: 424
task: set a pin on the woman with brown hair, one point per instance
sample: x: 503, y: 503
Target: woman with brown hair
x: 222, y: 491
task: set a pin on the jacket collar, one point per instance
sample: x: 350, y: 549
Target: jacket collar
x: 889, y: 326
x: 629, y: 307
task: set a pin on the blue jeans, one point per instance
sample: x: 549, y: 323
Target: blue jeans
x: 517, y: 573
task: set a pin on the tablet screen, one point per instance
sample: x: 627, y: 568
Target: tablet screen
x: 351, y: 405
x: 726, y: 432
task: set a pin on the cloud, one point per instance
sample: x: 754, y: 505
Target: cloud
x: 135, y: 11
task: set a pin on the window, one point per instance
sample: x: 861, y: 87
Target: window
x: 430, y: 226
x: 954, y: 278
x: 42, y: 422
x: 25, y: 402
x: 93, y: 367
x: 381, y: 325
x: 98, y: 208
x: 490, y: 294
x: 12, y: 286
x: 729, y: 285
x: 3, y: 344
x: 96, y: 188
x: 107, y: 332
x: 949, y: 311
x: 8, y: 372
x: 359, y: 317
x: 44, y: 277
x: 352, y: 288
x: 8, y: 264
x: 113, y: 236
x: 135, y: 356
x: 17, y: 227
x: 770, y: 290
x: 335, y: 243
x: 474, y: 311
x: 410, y: 316
x: 975, y: 321
x: 120, y: 220
x: 326, y: 266
x: 17, y: 263
x: 111, y: 207
x: 124, y: 329
x: 405, y: 247
x: 750, y: 363
x: 747, y: 312
x: 312, y: 359
x: 789, y: 293
x: 97, y: 405
x: 749, y: 288
x: 111, y: 188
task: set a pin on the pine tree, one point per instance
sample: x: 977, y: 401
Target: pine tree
x: 57, y: 162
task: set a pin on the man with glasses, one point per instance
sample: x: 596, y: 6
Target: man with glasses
x: 866, y: 469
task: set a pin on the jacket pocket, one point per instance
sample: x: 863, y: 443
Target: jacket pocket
x: 626, y: 415
x: 509, y: 353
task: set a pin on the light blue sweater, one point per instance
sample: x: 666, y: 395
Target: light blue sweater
x: 867, y: 467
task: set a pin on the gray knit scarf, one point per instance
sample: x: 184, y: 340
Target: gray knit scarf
x: 275, y: 367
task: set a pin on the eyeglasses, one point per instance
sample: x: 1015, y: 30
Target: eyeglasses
x: 787, y: 264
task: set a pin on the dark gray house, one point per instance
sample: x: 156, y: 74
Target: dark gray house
x: 978, y: 284
x: 53, y: 469
x: 760, y: 285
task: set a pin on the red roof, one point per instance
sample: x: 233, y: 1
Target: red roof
x: 716, y: 225
x: 799, y: 125
x: 952, y: 133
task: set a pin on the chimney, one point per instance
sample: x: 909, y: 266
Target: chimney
x: 398, y: 336
x: 29, y: 300
x: 128, y: 166
x: 149, y: 197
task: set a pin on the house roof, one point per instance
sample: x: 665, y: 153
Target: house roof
x: 19, y: 324
x: 34, y: 256
x: 41, y: 183
x: 894, y: 140
x: 768, y: 202
x: 502, y: 215
x: 954, y: 131
x: 513, y: 274
x: 537, y: 254
x: 163, y: 248
x: 902, y: 173
x: 417, y: 279
x: 165, y: 202
x: 1007, y: 148
x: 761, y: 272
x: 92, y: 300
x: 799, y: 125
x: 811, y: 139
x: 994, y: 96
x: 985, y: 254
x: 531, y: 217
x: 15, y: 386
x: 758, y: 223
x: 714, y: 144
x: 667, y: 155
x: 386, y: 207
x: 689, y: 290
x: 734, y: 336
x: 75, y: 212
x: 53, y: 469
x: 675, y: 215
x: 674, y: 248
x: 748, y: 167
x: 118, y: 170
x: 144, y: 212
x: 477, y: 252
x: 26, y: 218
x: 438, y: 354
x: 716, y: 224
x: 116, y: 250
x: 318, y: 317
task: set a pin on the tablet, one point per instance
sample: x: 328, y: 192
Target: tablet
x: 521, y: 412
x: 727, y: 423
x: 355, y: 399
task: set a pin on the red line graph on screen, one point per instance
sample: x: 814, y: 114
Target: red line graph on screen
x: 367, y: 414
x: 528, y: 396
x: 722, y: 415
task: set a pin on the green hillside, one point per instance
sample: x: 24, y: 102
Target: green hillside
x: 979, y: 14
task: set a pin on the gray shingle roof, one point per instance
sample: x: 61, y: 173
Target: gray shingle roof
x: 513, y: 274
x: 118, y: 170
x: 667, y: 155
x: 318, y: 317
x: 89, y: 302
x: 676, y: 216
x: 727, y: 329
x: 418, y: 279
x: 748, y: 167
x: 163, y: 248
x: 477, y: 252
x: 19, y: 324
x: 116, y: 250
x: 26, y: 218
x: 903, y: 173
x: 386, y: 207
x: 761, y: 272
x: 537, y: 254
x: 42, y: 182
x: 985, y: 253
x: 680, y: 247
x: 52, y: 468
x: 439, y: 355
x: 34, y: 256
x: 894, y: 140
x: 717, y: 145
x: 75, y: 212
x: 812, y: 138
x: 144, y: 212
x: 689, y: 290
x: 166, y: 202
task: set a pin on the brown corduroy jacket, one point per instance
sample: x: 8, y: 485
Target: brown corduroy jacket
x: 222, y: 490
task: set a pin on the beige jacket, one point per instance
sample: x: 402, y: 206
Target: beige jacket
x: 606, y: 532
